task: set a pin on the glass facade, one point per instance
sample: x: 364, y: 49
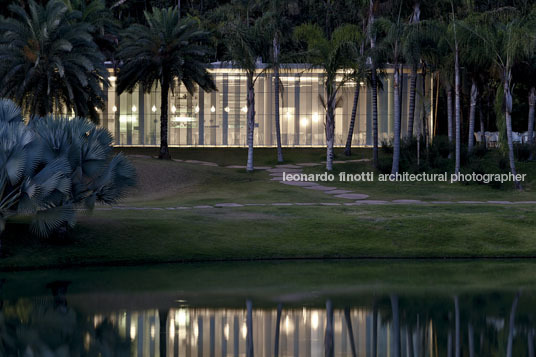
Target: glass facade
x: 219, y: 118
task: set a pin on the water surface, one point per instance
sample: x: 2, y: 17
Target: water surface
x: 344, y: 308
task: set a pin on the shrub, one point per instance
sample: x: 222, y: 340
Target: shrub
x: 54, y: 166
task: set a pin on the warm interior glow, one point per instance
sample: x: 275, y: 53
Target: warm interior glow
x: 153, y: 108
x: 212, y: 109
x: 134, y: 108
x: 173, y: 109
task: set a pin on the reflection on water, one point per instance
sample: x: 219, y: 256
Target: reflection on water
x: 371, y: 322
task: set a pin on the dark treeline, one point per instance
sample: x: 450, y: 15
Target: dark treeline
x: 480, y: 53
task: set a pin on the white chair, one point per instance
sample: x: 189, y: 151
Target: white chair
x: 492, y: 138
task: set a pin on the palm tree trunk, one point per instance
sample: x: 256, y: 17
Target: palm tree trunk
x: 330, y: 124
x: 374, y: 84
x: 396, y: 326
x: 482, y: 127
x: 348, y: 148
x: 397, y: 117
x: 532, y: 103
x: 328, y: 338
x: 250, y: 119
x: 470, y: 335
x: 510, y: 344
x: 457, y: 337
x: 163, y: 317
x: 277, y: 329
x: 472, y: 114
x: 530, y: 342
x: 425, y: 114
x: 249, y: 328
x: 164, y: 149
x: 412, y: 90
x: 457, y: 106
x: 508, y: 117
x: 374, y: 330
x: 450, y: 114
x: 348, y: 319
x: 276, y: 93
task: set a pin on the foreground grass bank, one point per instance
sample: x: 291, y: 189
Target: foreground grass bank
x: 137, y: 234
x: 132, y: 237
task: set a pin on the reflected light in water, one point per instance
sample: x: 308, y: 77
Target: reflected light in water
x: 244, y: 330
x: 314, y: 320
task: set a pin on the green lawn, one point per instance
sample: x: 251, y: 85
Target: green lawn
x: 111, y: 237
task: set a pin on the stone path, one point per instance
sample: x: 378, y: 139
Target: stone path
x: 276, y: 174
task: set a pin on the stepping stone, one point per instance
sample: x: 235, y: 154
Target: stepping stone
x: 359, y: 160
x: 299, y: 183
x: 442, y: 202
x: 330, y: 204
x: 203, y: 207
x: 177, y: 160
x: 236, y: 167
x: 288, y: 166
x: 306, y: 204
x: 228, y: 205
x: 255, y: 204
x: 471, y: 202
x: 140, y: 156
x: 338, y: 192
x: 501, y: 202
x: 321, y: 188
x: 170, y: 208
x: 352, y: 196
x: 282, y: 204
x: 281, y: 170
x: 201, y: 162
x: 369, y: 202
x: 525, y: 202
x: 182, y: 207
x: 408, y: 201
x: 308, y: 164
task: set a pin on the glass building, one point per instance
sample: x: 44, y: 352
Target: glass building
x: 219, y: 118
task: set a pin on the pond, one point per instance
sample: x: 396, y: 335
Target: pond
x: 288, y: 308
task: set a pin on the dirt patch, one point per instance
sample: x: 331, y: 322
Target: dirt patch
x: 159, y: 179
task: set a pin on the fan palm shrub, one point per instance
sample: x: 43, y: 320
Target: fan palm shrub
x: 53, y: 166
x: 49, y: 62
x: 167, y: 51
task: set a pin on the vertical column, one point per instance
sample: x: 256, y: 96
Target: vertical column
x: 269, y: 102
x: 226, y: 109
x: 213, y: 117
x: 141, y: 120
x: 297, y: 111
x: 201, y: 121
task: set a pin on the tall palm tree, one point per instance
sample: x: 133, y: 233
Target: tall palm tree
x: 49, y: 62
x: 277, y: 23
x: 361, y: 73
x: 103, y: 26
x: 373, y: 85
x: 333, y: 54
x: 391, y: 48
x: 507, y: 35
x: 412, y: 54
x: 245, y: 42
x: 165, y: 52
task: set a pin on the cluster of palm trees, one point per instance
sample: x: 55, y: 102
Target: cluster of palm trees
x: 53, y: 57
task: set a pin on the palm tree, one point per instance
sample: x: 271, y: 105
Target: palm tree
x: 506, y: 35
x: 277, y: 24
x: 391, y: 48
x: 360, y: 74
x: 104, y: 28
x: 166, y: 52
x: 333, y: 54
x: 412, y: 54
x: 49, y: 62
x: 373, y: 85
x: 245, y: 41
